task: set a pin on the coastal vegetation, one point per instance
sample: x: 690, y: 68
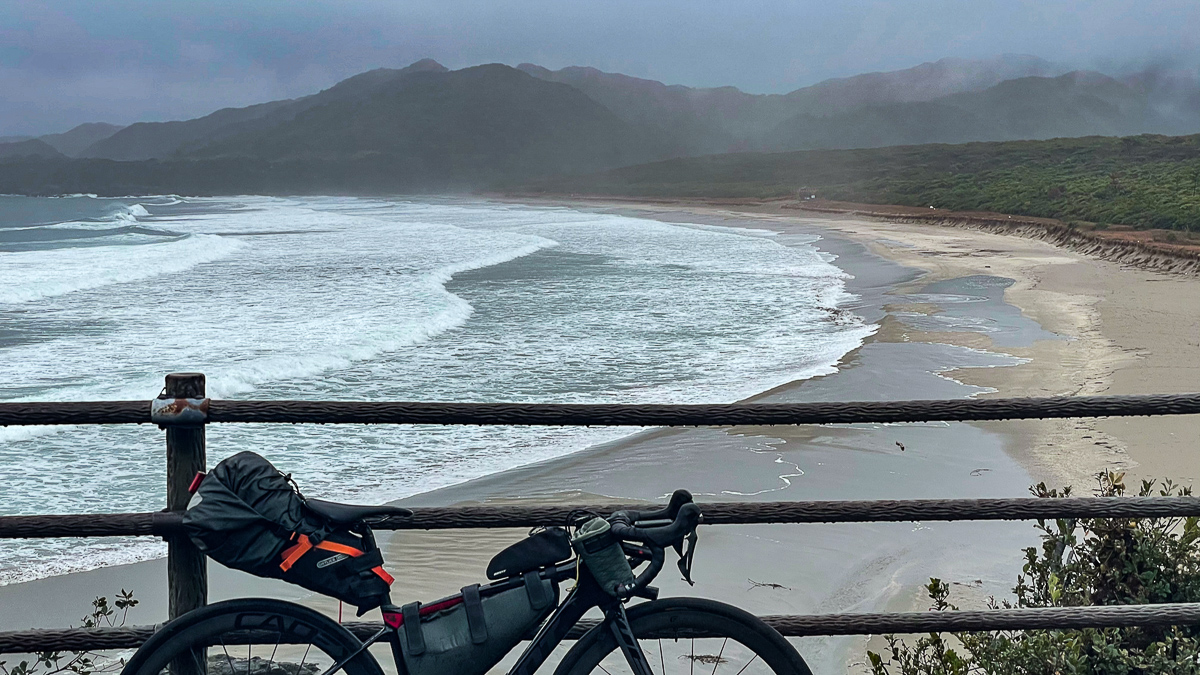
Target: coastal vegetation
x: 1142, y: 181
x: 101, y: 615
x: 1079, y: 563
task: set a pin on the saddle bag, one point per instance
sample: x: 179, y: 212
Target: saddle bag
x: 468, y: 633
x: 247, y: 515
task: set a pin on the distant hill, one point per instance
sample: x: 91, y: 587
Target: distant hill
x: 156, y: 140
x: 72, y: 143
x: 425, y: 127
x: 29, y: 148
x: 1071, y: 105
x: 163, y: 140
x: 481, y: 121
x: 726, y: 119
x: 925, y: 82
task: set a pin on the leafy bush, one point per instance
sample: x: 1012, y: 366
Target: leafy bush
x: 81, y: 663
x: 1093, y: 561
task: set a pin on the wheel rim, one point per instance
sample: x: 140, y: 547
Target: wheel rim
x: 248, y: 643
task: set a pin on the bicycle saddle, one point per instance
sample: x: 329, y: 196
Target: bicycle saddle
x: 344, y: 514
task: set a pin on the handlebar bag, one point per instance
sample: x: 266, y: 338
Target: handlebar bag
x: 469, y: 633
x: 247, y: 515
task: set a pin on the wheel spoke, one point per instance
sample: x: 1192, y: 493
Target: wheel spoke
x: 661, y: 658
x: 300, y: 668
x: 747, y: 665
x: 719, y: 655
x: 274, y: 650
x: 228, y: 658
x: 236, y: 627
x: 201, y: 667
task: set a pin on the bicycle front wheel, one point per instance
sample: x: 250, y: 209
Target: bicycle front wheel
x: 253, y: 636
x: 689, y: 635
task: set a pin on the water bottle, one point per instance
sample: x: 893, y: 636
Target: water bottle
x: 602, y: 554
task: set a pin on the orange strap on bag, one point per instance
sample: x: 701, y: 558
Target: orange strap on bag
x: 304, y: 545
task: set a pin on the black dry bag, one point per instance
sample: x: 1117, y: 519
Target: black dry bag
x: 247, y: 515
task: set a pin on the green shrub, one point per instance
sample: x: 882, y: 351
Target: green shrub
x: 1080, y: 562
x: 81, y: 663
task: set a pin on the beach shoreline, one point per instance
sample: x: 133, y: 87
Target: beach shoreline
x: 1129, y: 329
x: 1062, y: 327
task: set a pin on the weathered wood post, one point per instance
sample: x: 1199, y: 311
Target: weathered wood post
x: 187, y: 568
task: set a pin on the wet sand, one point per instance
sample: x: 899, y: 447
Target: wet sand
x: 961, y: 313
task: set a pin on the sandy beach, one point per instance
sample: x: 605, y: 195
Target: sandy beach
x: 960, y: 313
x: 1121, y: 330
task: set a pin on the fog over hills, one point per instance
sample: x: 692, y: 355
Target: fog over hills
x: 32, y: 147
x: 726, y: 119
x: 475, y: 121
x: 72, y: 143
x: 430, y: 127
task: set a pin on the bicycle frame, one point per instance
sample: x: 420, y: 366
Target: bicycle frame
x: 585, y: 596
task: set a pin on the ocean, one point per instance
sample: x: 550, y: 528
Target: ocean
x: 366, y: 299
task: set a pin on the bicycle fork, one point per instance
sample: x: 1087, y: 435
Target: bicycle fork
x: 618, y: 624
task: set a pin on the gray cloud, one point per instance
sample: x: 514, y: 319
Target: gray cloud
x: 122, y: 61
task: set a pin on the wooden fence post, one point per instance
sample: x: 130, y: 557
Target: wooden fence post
x: 187, y: 568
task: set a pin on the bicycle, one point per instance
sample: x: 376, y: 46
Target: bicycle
x: 649, y: 638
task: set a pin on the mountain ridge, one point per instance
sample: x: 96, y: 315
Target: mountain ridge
x: 29, y: 148
x: 426, y: 125
x: 78, y: 139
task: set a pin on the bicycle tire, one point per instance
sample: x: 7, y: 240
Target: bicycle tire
x: 684, y: 619
x: 226, y: 624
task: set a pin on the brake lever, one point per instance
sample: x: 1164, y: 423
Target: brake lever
x: 686, y: 555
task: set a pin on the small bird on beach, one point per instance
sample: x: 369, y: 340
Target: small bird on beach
x: 900, y: 445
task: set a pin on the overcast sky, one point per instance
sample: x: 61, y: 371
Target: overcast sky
x: 67, y: 62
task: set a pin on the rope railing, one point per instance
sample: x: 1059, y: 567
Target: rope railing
x: 804, y: 625
x: 636, y: 415
x: 184, y: 411
x: 164, y: 524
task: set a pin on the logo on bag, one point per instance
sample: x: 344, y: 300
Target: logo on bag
x: 331, y: 560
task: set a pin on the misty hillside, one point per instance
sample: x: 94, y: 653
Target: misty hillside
x: 726, y: 119
x: 476, y: 121
x: 1075, y: 104
x: 427, y: 127
x: 950, y: 101
x: 155, y: 140
x: 161, y: 140
x: 471, y: 122
x: 925, y: 82
x: 28, y: 148
x: 72, y: 143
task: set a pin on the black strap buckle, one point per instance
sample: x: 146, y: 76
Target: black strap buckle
x: 412, y: 628
x: 475, y: 619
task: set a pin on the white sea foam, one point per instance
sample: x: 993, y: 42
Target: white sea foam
x: 378, y: 300
x: 35, y: 275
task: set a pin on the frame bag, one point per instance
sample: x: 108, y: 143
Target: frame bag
x: 469, y: 633
x: 248, y: 516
